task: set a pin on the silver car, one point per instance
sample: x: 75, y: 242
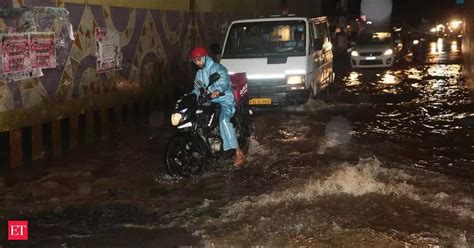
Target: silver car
x: 375, y: 50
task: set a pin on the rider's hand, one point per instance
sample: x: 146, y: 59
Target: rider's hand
x: 215, y: 94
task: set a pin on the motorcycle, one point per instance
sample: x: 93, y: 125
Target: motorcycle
x: 416, y: 45
x: 197, y: 140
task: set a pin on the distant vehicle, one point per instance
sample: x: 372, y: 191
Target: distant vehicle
x: 456, y: 29
x: 286, y: 59
x: 416, y: 44
x: 376, y: 49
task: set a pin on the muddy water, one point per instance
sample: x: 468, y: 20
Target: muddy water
x: 424, y: 112
x: 384, y: 160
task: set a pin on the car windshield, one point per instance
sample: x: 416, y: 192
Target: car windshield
x: 377, y: 38
x: 264, y: 39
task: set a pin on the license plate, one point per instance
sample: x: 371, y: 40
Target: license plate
x: 370, y: 58
x: 260, y: 101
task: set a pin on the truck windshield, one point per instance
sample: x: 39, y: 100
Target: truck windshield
x: 264, y: 39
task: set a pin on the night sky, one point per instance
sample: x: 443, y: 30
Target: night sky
x: 412, y: 10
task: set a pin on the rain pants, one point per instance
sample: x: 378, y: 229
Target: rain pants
x: 226, y: 102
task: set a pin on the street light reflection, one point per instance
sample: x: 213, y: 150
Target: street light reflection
x: 454, y: 46
x: 389, y: 78
x: 353, y: 79
x: 433, y: 48
x: 439, y: 45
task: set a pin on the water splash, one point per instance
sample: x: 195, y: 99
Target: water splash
x: 364, y: 179
x: 337, y: 132
x: 311, y: 106
x: 256, y: 149
x: 352, y: 180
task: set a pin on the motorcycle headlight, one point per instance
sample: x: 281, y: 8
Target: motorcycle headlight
x: 388, y: 52
x: 292, y: 80
x: 354, y: 53
x: 176, y: 119
x: 416, y: 42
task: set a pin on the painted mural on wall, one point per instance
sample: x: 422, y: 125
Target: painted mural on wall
x: 155, y: 45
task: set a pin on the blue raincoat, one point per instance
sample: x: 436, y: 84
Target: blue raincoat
x: 227, y: 101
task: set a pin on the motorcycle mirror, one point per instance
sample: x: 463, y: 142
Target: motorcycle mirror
x: 213, y: 78
x: 198, y: 84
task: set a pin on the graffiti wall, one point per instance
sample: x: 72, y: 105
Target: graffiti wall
x: 155, y: 38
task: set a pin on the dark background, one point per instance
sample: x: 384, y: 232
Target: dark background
x: 409, y: 12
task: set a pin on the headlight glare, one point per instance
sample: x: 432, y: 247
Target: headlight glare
x: 176, y: 119
x: 388, y: 52
x: 292, y: 80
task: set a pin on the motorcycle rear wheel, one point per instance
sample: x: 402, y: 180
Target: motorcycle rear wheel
x: 186, y: 156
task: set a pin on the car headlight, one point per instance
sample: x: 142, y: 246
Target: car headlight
x: 176, y: 119
x: 388, y: 52
x: 354, y: 53
x: 416, y: 42
x: 292, y: 80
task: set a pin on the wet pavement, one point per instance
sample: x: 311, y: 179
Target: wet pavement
x: 384, y: 159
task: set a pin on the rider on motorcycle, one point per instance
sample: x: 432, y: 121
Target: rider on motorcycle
x: 207, y: 66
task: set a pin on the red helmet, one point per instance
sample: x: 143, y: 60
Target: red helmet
x: 198, y: 52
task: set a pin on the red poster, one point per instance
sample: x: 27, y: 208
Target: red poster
x: 16, y: 53
x: 43, y: 53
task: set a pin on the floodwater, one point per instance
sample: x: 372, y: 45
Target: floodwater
x: 384, y: 159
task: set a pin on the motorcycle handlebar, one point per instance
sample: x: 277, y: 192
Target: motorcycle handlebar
x: 208, y: 97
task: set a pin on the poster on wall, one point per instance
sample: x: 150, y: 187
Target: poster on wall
x: 1, y: 60
x: 108, y: 50
x: 23, y: 75
x: 43, y: 52
x: 16, y: 53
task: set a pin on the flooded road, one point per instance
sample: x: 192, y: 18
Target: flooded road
x: 385, y: 159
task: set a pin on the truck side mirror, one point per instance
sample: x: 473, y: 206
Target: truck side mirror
x: 318, y: 44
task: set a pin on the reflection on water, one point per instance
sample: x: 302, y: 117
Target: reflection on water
x: 439, y: 46
x: 454, y: 46
x: 444, y: 50
x: 353, y: 79
x: 433, y: 48
x: 414, y: 73
x: 389, y: 78
x: 428, y: 105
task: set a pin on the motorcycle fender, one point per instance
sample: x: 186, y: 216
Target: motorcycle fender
x: 190, y: 135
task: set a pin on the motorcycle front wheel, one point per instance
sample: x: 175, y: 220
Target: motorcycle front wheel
x: 186, y: 156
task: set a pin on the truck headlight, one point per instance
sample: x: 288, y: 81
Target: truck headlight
x: 388, y: 52
x: 354, y: 53
x: 176, y: 119
x: 292, y: 80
